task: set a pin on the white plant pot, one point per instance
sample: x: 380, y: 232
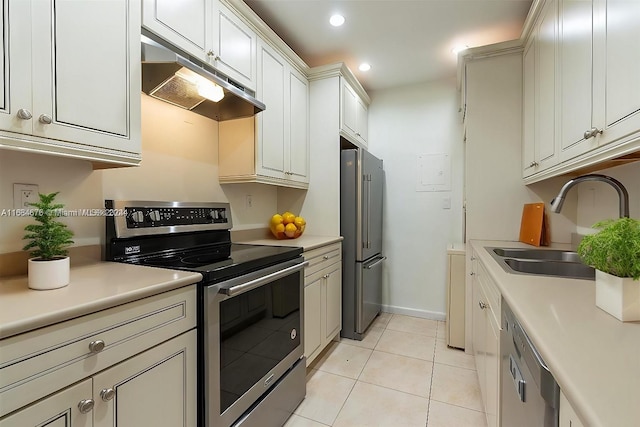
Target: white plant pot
x: 44, y: 275
x: 618, y: 296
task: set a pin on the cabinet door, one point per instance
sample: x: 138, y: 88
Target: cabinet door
x: 575, y: 34
x: 270, y: 130
x: 333, y: 301
x: 312, y: 318
x: 348, y: 109
x: 617, y: 55
x: 362, y: 118
x: 86, y: 65
x: 545, y: 140
x: 58, y: 410
x: 297, y: 156
x: 479, y: 331
x: 568, y: 416
x: 155, y: 388
x: 183, y: 23
x: 236, y: 52
x: 15, y: 72
x: 492, y: 369
x: 529, y: 108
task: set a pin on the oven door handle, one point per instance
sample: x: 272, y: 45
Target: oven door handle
x: 261, y: 281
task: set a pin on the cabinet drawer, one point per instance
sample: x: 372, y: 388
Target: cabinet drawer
x: 322, y: 257
x: 37, y: 363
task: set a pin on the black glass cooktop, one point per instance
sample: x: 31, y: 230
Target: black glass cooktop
x: 221, y: 261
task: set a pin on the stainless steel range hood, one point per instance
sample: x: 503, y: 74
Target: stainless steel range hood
x: 182, y: 81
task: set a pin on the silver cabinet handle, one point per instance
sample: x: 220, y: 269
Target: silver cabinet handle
x: 85, y: 406
x: 211, y: 54
x: 592, y: 132
x: 24, y: 114
x: 106, y: 394
x: 473, y: 258
x: 472, y: 273
x: 96, y: 346
x: 482, y: 305
x: 45, y: 119
x: 326, y: 257
x: 533, y: 165
x: 326, y: 276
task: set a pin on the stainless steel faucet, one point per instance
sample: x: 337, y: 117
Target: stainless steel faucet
x: 556, y: 203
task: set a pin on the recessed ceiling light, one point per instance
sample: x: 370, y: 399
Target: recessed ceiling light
x: 364, y: 67
x: 336, y: 20
x: 459, y: 48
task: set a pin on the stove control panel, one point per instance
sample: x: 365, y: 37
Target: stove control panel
x: 150, y: 217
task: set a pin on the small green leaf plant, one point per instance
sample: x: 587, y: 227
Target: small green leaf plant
x: 49, y: 237
x: 615, y: 249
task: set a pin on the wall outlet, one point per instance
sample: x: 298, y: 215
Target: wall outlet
x: 23, y: 194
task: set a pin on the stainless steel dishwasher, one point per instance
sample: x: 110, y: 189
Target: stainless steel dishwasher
x: 530, y: 395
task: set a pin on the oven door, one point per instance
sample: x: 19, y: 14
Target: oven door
x: 252, y: 336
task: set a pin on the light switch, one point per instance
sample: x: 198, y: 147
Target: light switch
x: 446, y: 202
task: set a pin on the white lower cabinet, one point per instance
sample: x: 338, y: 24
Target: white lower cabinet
x: 116, y: 367
x: 322, y: 298
x: 568, y: 416
x: 486, y: 339
x: 128, y: 394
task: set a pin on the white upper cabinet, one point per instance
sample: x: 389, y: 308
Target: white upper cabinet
x: 68, y: 91
x: 184, y: 23
x: 354, y: 115
x: 617, y: 56
x: 539, y: 140
x: 585, y: 93
x: 207, y: 30
x: 278, y: 154
x: 236, y: 47
x: 576, y: 77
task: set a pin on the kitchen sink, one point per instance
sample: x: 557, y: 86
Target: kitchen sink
x: 542, y: 262
x: 538, y: 254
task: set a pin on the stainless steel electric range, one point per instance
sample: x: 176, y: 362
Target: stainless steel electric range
x: 251, y: 367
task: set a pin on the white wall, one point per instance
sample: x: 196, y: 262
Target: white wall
x: 404, y: 123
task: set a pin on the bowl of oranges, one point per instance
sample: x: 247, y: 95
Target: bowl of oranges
x: 287, y: 226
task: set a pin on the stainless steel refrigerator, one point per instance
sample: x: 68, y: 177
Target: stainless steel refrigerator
x: 361, y: 192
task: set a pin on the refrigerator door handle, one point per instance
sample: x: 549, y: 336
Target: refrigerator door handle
x: 378, y: 261
x: 368, y: 177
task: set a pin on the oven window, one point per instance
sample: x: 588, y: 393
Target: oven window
x: 258, y: 329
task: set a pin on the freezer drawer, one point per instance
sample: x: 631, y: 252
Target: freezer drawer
x: 368, y: 292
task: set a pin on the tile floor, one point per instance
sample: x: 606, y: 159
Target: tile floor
x: 401, y: 374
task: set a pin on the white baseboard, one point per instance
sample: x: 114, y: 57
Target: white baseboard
x: 433, y: 315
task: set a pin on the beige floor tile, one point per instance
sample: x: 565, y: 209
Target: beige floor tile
x: 372, y: 405
x: 407, y: 344
x: 400, y: 373
x: 298, y: 421
x: 326, y: 393
x: 445, y: 415
x: 371, y: 337
x: 343, y: 359
x: 457, y: 386
x: 415, y: 325
x: 382, y: 320
x: 453, y: 356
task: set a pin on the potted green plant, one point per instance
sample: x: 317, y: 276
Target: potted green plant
x: 614, y: 252
x: 48, y: 240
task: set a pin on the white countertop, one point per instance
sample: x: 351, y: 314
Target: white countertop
x: 307, y: 242
x: 594, y: 357
x: 92, y: 288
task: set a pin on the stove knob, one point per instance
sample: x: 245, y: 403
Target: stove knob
x: 137, y: 216
x: 154, y: 216
x: 213, y: 214
x: 223, y: 214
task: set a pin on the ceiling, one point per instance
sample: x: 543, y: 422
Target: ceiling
x: 404, y: 41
